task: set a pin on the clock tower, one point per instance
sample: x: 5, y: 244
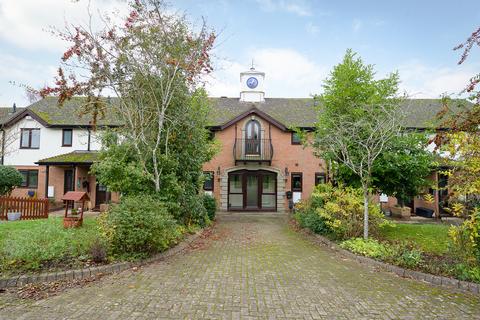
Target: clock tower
x: 251, y: 86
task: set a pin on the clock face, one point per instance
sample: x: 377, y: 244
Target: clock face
x: 252, y: 82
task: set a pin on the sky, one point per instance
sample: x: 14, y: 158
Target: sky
x: 296, y: 43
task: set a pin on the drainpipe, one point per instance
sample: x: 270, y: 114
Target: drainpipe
x: 47, y: 172
x: 3, y: 146
x: 88, y: 143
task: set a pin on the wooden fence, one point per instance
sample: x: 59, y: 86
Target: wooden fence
x: 29, y: 207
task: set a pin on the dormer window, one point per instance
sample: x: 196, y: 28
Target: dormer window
x: 29, y: 138
x: 67, y: 137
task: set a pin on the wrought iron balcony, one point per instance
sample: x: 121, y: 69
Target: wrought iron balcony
x: 253, y: 150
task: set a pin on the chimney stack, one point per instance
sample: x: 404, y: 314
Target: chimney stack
x: 14, y: 108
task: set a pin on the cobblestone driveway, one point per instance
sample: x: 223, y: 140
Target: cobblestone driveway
x: 251, y: 267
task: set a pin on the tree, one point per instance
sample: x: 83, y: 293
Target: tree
x: 403, y: 168
x: 461, y: 142
x: 400, y: 171
x: 358, y: 117
x: 153, y: 64
x: 9, y: 179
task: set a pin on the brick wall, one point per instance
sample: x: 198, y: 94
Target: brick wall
x: 296, y: 158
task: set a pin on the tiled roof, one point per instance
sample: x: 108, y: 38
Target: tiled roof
x: 75, y: 157
x: 6, y: 113
x: 291, y: 112
x: 419, y: 113
x: 68, y: 114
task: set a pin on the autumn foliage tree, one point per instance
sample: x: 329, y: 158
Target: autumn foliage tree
x: 152, y: 64
x: 461, y: 144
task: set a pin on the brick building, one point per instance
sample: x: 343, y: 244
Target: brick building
x: 262, y: 164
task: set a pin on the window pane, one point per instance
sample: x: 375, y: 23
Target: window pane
x: 296, y: 182
x: 35, y: 138
x: 208, y: 184
x: 296, y: 138
x: 268, y: 201
x: 235, y: 183
x: 268, y: 184
x: 319, y: 178
x: 67, y: 137
x: 235, y: 200
x: 33, y: 179
x: 24, y: 178
x: 25, y: 138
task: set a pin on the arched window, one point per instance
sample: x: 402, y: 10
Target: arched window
x: 252, y: 137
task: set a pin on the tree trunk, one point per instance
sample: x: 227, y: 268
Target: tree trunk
x: 365, y: 212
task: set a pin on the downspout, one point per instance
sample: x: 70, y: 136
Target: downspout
x: 47, y: 173
x: 88, y: 143
x: 3, y: 146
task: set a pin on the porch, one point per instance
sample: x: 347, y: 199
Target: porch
x: 70, y: 172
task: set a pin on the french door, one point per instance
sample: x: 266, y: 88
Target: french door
x: 252, y: 190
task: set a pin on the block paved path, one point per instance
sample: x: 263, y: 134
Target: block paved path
x: 251, y: 267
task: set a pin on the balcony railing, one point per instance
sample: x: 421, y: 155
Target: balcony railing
x: 253, y: 150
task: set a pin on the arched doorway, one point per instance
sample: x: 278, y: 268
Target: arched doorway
x: 252, y: 190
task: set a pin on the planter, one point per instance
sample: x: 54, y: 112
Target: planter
x: 13, y: 216
x: 401, y: 212
x: 72, y: 222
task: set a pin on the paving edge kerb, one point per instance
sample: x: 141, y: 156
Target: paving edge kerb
x: 84, y: 273
x: 406, y: 273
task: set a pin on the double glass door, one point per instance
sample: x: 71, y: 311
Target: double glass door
x: 252, y: 190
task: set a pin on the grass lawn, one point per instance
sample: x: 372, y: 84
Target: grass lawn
x: 44, y: 243
x: 431, y: 238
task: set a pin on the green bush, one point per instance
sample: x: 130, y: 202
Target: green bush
x: 409, y: 258
x: 9, y: 179
x: 308, y: 218
x: 467, y: 272
x: 466, y: 238
x: 369, y: 248
x: 210, y: 205
x: 139, y: 226
x: 30, y: 245
x: 338, y: 211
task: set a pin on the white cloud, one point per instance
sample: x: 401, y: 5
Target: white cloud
x: 26, y: 23
x: 299, y: 8
x: 288, y: 73
x: 312, y: 29
x: 357, y: 24
x: 423, y: 81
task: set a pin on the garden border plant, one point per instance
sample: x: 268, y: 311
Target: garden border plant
x: 334, y: 212
x: 402, y: 272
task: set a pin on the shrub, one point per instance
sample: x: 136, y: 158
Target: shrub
x: 467, y: 272
x: 409, y: 258
x: 9, y: 179
x: 338, y: 211
x: 192, y: 210
x: 98, y: 251
x: 139, y: 226
x: 210, y: 205
x: 308, y: 218
x: 369, y: 248
x: 466, y: 238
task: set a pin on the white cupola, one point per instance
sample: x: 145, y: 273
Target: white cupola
x: 251, y: 86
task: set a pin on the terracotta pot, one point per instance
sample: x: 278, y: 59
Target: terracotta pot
x: 72, y: 222
x: 401, y: 212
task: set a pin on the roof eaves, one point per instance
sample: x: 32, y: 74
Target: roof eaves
x: 254, y: 110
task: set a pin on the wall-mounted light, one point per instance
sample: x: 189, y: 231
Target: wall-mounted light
x: 286, y: 173
x: 218, y: 173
